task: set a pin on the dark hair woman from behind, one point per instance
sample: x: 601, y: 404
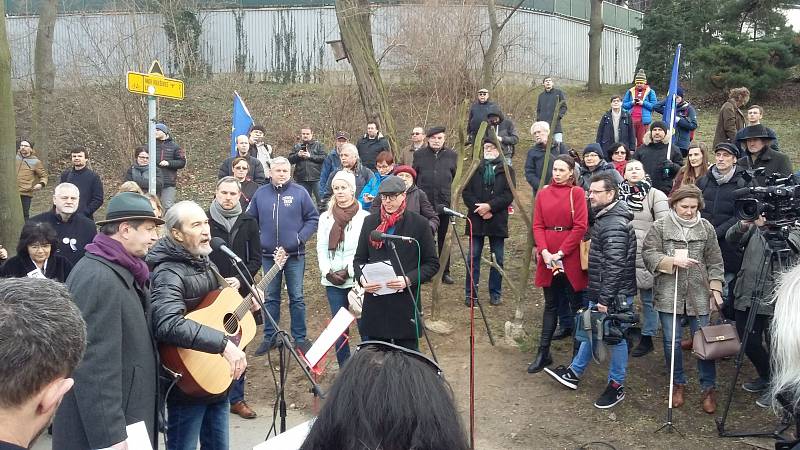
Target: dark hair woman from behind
x: 36, y: 256
x: 388, y: 398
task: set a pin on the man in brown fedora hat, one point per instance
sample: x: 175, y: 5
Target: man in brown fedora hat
x: 115, y: 385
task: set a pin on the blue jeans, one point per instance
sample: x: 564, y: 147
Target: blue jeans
x: 649, y: 313
x: 337, y: 298
x: 186, y: 423
x: 293, y: 271
x: 618, y: 362
x: 496, y: 246
x: 236, y: 393
x: 706, y: 369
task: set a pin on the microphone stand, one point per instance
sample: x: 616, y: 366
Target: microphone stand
x: 286, y: 343
x: 418, y: 323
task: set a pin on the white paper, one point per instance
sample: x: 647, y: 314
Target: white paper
x: 138, y: 439
x: 681, y: 253
x: 329, y: 335
x: 380, y: 272
x: 290, y: 439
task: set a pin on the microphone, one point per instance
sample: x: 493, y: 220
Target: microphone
x: 376, y: 235
x: 450, y: 212
x: 218, y: 244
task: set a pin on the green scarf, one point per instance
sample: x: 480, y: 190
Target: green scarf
x: 489, y: 171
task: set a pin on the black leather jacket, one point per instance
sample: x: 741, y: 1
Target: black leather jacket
x: 178, y: 283
x: 612, y: 256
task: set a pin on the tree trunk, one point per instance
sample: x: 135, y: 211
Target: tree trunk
x: 10, y: 206
x: 595, y: 43
x: 353, y: 17
x: 490, y: 54
x: 44, y: 77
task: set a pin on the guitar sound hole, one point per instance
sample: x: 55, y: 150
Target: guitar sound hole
x: 231, y: 324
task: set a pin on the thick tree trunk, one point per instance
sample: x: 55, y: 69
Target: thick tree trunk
x: 353, y: 17
x: 44, y: 77
x: 595, y: 43
x: 10, y: 206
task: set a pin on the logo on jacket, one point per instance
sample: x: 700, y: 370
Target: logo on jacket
x: 287, y: 200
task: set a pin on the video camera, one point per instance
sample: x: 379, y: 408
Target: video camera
x: 778, y: 200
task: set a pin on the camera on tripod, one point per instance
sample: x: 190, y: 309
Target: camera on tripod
x: 778, y: 200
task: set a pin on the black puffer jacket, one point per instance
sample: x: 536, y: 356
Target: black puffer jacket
x: 612, y: 255
x: 654, y: 160
x: 368, y: 150
x: 721, y: 212
x: 178, y: 283
x: 167, y: 150
x: 307, y: 169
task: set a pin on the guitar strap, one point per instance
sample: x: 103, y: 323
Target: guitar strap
x: 220, y: 279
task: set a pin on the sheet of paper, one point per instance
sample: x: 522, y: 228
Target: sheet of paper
x: 138, y: 438
x: 327, y: 339
x: 681, y: 253
x: 379, y: 272
x: 290, y: 439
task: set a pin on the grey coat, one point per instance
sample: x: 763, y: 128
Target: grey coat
x: 693, y: 285
x: 754, y: 246
x: 116, y: 383
x: 654, y: 207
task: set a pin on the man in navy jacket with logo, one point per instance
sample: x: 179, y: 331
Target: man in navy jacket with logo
x: 287, y: 217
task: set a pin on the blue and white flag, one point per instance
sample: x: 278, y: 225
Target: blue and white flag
x: 669, y: 106
x: 241, y: 121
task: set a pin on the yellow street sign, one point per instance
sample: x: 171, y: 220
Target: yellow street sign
x: 154, y: 84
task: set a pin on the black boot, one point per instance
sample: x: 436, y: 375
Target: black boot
x: 541, y: 361
x: 644, y: 347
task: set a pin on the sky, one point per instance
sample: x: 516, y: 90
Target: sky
x: 794, y: 18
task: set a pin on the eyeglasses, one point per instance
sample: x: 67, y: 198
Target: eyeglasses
x: 591, y: 192
x: 391, y: 196
x: 241, y: 168
x: 388, y: 347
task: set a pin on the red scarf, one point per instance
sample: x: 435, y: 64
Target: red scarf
x: 388, y: 221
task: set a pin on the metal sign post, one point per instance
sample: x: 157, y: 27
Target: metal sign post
x: 153, y: 84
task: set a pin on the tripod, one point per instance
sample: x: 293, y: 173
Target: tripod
x: 776, y: 245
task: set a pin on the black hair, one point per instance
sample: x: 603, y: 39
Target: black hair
x: 21, y: 140
x: 387, y: 400
x: 33, y: 232
x: 79, y: 149
x: 608, y: 181
x: 614, y: 147
x: 140, y: 149
x: 257, y: 127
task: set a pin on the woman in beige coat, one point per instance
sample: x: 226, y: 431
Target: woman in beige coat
x: 684, y: 242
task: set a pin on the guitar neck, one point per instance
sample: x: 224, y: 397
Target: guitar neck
x: 259, y: 287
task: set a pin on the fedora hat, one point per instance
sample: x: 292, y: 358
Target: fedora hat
x: 129, y: 206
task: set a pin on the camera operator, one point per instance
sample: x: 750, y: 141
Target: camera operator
x: 757, y: 277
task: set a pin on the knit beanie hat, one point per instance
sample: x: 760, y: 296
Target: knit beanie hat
x: 163, y: 128
x: 594, y: 148
x: 640, y: 77
x: 347, y: 177
x: 407, y: 169
x: 659, y: 124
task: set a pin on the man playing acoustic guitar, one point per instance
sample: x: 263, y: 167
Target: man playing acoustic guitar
x: 182, y: 277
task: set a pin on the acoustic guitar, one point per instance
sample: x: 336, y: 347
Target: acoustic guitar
x: 225, y: 310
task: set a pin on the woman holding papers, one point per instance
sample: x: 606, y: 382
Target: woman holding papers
x: 390, y: 309
x: 337, y: 238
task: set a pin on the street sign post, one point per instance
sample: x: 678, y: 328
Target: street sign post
x: 153, y: 84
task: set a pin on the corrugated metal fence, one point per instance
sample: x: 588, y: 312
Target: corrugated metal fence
x: 269, y: 41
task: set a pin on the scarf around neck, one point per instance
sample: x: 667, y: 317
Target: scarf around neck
x: 489, y: 171
x: 388, y: 221
x: 634, y: 194
x: 225, y: 217
x: 112, y: 250
x: 341, y: 217
x: 684, y: 223
x: 722, y: 178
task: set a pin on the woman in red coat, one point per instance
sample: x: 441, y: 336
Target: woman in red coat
x: 560, y: 220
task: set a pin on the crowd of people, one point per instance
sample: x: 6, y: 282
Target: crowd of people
x: 626, y: 218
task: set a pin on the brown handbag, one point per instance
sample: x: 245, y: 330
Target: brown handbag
x: 585, y: 244
x: 713, y: 342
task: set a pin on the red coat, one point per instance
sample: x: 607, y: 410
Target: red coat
x: 552, y: 209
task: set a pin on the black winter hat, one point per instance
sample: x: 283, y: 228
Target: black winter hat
x: 659, y: 124
x: 434, y: 130
x: 755, y: 131
x: 728, y: 147
x: 594, y: 148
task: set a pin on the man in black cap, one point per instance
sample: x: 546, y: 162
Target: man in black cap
x: 479, y: 112
x: 393, y: 317
x: 653, y: 155
x: 718, y: 186
x: 115, y: 384
x: 436, y: 167
x: 758, y: 139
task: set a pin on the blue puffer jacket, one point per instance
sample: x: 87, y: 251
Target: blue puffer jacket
x: 287, y: 217
x: 649, y: 102
x: 371, y: 188
x: 685, y: 123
